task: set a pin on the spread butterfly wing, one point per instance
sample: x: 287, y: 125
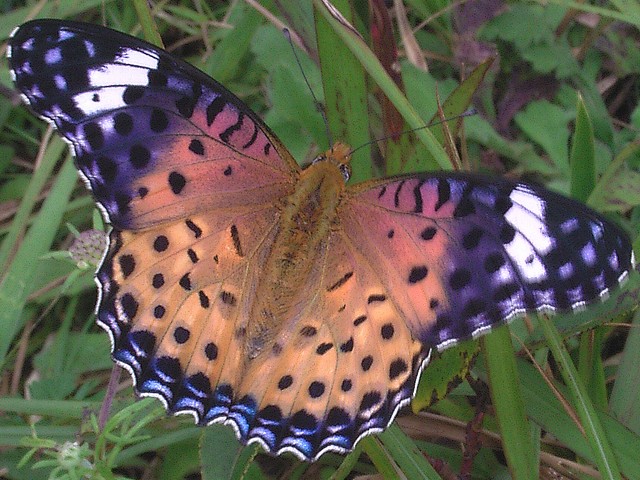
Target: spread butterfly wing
x: 175, y: 302
x: 462, y: 253
x: 414, y: 263
x: 154, y: 137
x: 338, y: 371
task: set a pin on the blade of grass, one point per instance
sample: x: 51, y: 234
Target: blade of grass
x: 509, y: 405
x: 17, y: 283
x: 545, y: 409
x: 38, y: 180
x: 596, y: 436
x: 406, y: 454
x: 583, y: 181
x: 438, y: 157
x: 12, y: 436
x: 53, y: 408
x: 380, y: 458
x: 149, y: 28
x: 345, y: 92
x: 625, y: 395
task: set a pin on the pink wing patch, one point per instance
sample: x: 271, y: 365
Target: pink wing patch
x: 462, y: 253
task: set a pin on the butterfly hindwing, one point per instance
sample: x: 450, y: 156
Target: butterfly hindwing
x: 462, y: 253
x: 151, y: 134
x: 340, y: 371
x: 175, y: 301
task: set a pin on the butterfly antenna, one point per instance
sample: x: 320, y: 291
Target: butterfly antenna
x: 467, y: 113
x: 318, y: 105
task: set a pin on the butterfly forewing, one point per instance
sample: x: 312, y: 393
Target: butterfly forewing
x: 155, y: 138
x: 462, y: 253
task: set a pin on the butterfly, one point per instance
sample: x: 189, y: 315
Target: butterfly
x: 241, y: 289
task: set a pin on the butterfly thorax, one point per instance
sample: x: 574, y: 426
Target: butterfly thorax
x: 308, y: 216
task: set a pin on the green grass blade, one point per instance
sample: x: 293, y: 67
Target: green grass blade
x: 406, y: 454
x: 439, y: 158
x: 596, y: 436
x: 583, y: 180
x: 149, y: 28
x: 12, y: 436
x: 380, y: 458
x: 16, y: 284
x: 345, y: 93
x: 625, y: 395
x: 53, y: 408
x: 544, y: 408
x: 509, y: 405
x: 21, y: 218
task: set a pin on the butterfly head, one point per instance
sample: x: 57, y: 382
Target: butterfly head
x: 340, y: 156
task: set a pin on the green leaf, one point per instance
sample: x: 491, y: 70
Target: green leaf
x: 345, y: 93
x: 547, y: 125
x: 583, y: 172
x: 509, y: 405
x: 625, y: 394
x: 219, y: 442
x: 444, y: 371
x: 619, y: 187
x: 594, y: 432
x: 225, y: 63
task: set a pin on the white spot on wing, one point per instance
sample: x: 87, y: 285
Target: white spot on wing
x: 546, y: 299
x: 65, y: 35
x: 597, y: 231
x: 90, y: 48
x: 569, y: 226
x: 110, y: 99
x: 576, y: 297
x: 115, y: 74
x: 503, y: 275
x: 527, y: 215
x: 599, y: 282
x: 35, y: 92
x: 614, y: 263
x: 61, y: 83
x: 53, y: 55
x: 28, y: 44
x: 566, y: 271
x: 26, y: 68
x: 588, y: 255
x: 526, y: 259
x: 138, y: 58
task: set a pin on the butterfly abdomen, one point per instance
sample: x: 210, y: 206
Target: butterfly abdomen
x: 306, y: 222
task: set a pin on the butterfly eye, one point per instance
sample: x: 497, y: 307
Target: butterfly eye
x: 346, y: 171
